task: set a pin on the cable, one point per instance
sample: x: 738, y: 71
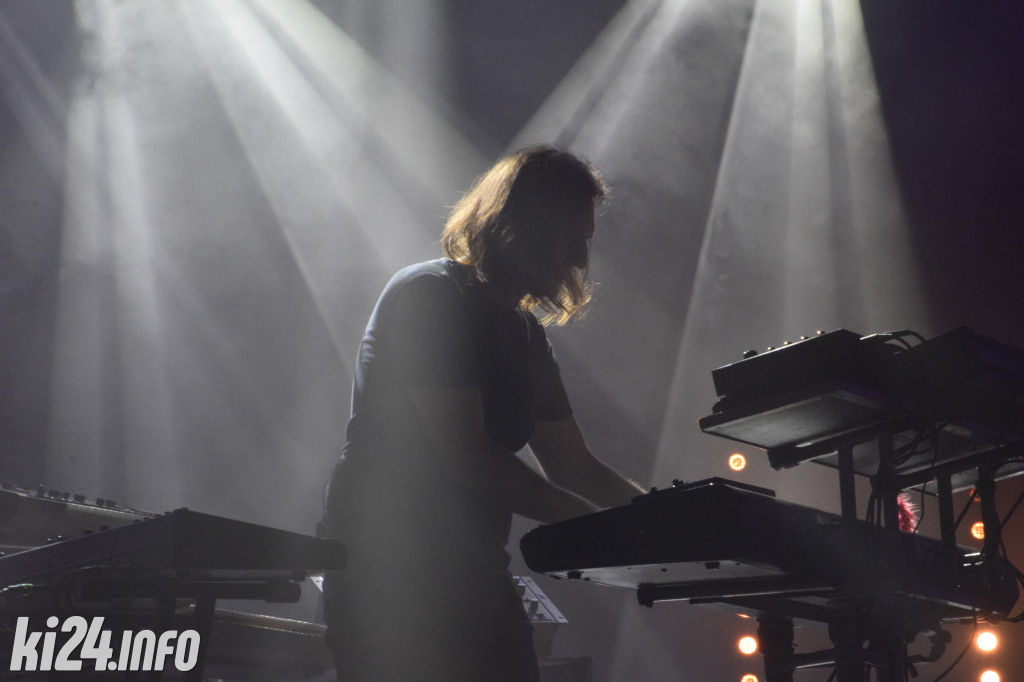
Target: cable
x: 920, y: 518
x: 908, y: 332
x: 1016, y: 504
x: 1020, y: 580
x: 19, y: 587
x: 963, y: 512
x: 931, y: 469
x: 869, y: 512
x: 898, y: 337
x: 902, y: 454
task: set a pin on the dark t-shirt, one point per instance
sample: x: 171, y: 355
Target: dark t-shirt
x: 435, y: 326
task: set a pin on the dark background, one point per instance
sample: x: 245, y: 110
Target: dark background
x: 186, y: 263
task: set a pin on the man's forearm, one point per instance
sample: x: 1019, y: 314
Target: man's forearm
x: 602, y: 485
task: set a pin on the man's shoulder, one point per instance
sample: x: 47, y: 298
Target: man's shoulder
x: 442, y: 268
x: 440, y: 274
x: 430, y: 283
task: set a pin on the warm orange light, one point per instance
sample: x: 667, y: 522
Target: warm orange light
x: 986, y: 641
x: 748, y: 678
x: 978, y: 530
x: 737, y: 462
x: 748, y: 645
x: 989, y: 676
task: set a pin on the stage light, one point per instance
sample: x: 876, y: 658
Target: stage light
x: 737, y: 462
x: 989, y: 676
x: 749, y: 678
x: 978, y: 530
x: 748, y: 645
x: 986, y: 641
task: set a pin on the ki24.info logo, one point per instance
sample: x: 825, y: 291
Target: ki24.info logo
x: 88, y: 641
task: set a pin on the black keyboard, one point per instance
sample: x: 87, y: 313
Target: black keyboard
x: 720, y: 539
x: 182, y: 542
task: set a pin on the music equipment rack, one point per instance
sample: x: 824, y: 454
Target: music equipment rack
x: 934, y: 416
x: 139, y: 574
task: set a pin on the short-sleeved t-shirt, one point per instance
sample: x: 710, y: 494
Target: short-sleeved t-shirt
x: 435, y: 326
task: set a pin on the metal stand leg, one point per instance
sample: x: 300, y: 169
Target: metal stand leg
x: 889, y: 656
x: 986, y: 488
x: 204, y: 625
x: 848, y: 637
x: 847, y: 484
x: 775, y: 640
x: 944, y: 491
x: 886, y: 486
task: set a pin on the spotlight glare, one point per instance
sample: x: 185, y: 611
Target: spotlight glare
x: 986, y: 641
x: 749, y: 678
x: 737, y: 462
x: 989, y: 676
x: 978, y: 530
x: 748, y: 645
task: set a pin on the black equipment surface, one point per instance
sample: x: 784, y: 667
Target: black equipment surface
x: 163, y: 573
x: 935, y: 415
x: 30, y: 518
x: 953, y: 403
x: 180, y: 543
x: 248, y: 646
x: 717, y: 540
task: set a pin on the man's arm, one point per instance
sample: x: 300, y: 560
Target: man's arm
x: 567, y: 461
x: 454, y: 422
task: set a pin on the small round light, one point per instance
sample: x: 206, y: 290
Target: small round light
x: 737, y: 462
x: 748, y: 645
x: 986, y: 641
x: 749, y: 678
x: 978, y: 530
x: 989, y: 676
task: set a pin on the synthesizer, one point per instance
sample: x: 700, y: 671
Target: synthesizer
x: 179, y: 542
x: 950, y: 403
x: 718, y: 539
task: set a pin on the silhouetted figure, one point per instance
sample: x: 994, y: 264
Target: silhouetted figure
x: 454, y: 375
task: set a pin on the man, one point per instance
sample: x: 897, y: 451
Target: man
x: 454, y: 375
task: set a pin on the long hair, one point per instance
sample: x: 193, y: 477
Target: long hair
x: 508, y: 224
